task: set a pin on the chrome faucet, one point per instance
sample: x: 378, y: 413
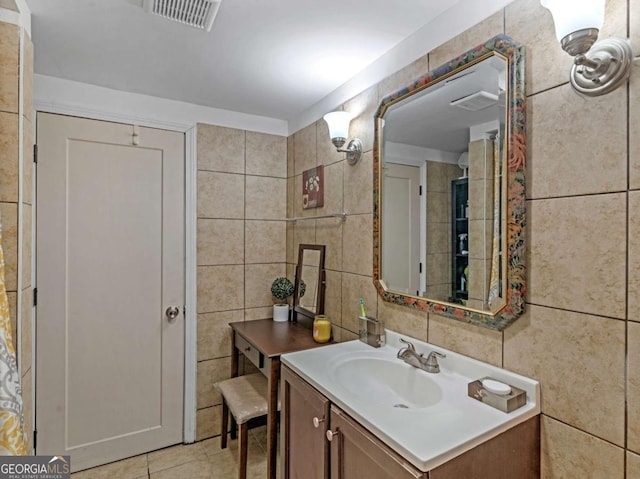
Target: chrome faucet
x: 410, y: 356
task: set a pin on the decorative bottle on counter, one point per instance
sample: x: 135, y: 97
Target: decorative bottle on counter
x: 321, y: 329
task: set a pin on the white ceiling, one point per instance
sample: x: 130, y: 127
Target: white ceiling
x: 428, y: 120
x: 274, y: 58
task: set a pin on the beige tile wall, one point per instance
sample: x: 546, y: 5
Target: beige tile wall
x: 439, y: 177
x: 480, y: 221
x: 12, y: 136
x: 242, y: 190
x: 583, y: 250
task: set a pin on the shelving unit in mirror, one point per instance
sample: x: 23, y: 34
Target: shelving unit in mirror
x: 460, y: 241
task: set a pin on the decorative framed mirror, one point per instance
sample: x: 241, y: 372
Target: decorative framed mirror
x: 310, y: 282
x: 449, y: 188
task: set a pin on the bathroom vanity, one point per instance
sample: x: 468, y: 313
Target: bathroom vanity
x: 350, y: 411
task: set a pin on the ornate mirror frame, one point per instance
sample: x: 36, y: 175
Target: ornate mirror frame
x: 515, y: 156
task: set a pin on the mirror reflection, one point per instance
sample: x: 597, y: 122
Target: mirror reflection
x: 308, y: 299
x: 310, y: 274
x: 443, y: 189
x: 449, y: 188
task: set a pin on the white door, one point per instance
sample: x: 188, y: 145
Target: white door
x: 110, y: 261
x: 401, y: 232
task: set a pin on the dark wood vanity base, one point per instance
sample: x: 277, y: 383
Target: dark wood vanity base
x: 513, y: 454
x: 354, y: 452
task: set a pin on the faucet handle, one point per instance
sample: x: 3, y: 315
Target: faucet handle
x: 409, y: 349
x: 432, y: 361
x: 409, y: 345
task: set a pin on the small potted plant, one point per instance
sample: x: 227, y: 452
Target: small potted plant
x: 281, y: 289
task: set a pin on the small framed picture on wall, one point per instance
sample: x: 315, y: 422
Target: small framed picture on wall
x: 313, y: 187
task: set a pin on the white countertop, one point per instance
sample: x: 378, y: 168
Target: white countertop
x: 430, y: 436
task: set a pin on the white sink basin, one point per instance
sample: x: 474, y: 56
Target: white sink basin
x: 427, y: 418
x: 387, y: 382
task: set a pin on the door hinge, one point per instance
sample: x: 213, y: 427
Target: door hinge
x: 35, y: 153
x: 420, y: 267
x: 35, y: 438
x: 35, y: 296
x: 420, y: 190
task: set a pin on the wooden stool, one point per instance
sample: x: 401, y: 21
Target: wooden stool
x: 246, y: 398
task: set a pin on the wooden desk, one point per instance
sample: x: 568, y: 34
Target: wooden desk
x: 263, y: 341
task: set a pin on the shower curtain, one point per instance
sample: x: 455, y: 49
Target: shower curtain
x: 12, y: 440
x: 494, y: 282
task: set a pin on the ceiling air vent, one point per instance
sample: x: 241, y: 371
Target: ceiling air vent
x: 476, y: 101
x: 195, y: 13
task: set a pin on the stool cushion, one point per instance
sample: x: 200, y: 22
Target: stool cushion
x: 246, y: 396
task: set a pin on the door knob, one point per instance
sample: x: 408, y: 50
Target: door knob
x: 172, y: 313
x: 316, y: 422
x: 330, y: 434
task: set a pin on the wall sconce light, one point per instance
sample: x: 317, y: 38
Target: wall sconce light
x: 338, y: 122
x: 598, y: 68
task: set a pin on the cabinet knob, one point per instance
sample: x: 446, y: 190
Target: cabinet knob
x: 316, y: 422
x: 331, y: 434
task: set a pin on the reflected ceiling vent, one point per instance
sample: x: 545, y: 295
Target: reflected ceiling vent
x: 195, y: 13
x: 476, y: 101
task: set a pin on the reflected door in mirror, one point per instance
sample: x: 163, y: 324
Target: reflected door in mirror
x: 401, y: 237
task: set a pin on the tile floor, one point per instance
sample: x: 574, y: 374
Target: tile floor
x: 202, y: 460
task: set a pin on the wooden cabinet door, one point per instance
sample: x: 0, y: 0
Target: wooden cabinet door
x: 357, y: 454
x: 306, y: 448
x: 513, y: 454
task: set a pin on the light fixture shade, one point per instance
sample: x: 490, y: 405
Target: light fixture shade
x: 338, y: 122
x: 570, y: 16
